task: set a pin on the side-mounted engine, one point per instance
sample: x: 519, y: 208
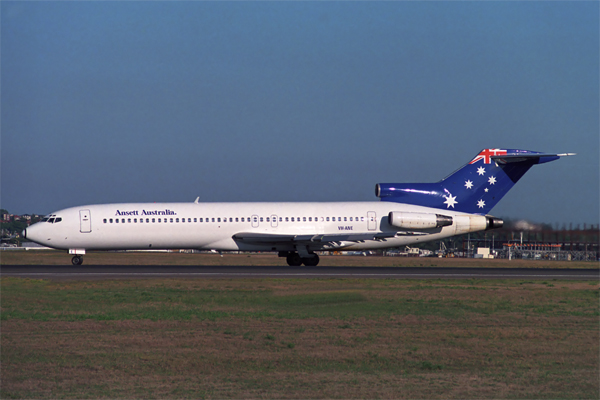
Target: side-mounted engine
x: 414, y: 220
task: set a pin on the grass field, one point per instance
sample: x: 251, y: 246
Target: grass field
x: 39, y: 257
x: 299, y: 338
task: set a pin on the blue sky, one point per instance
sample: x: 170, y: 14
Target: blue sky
x: 294, y: 101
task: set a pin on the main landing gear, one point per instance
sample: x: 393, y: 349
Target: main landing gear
x: 77, y: 260
x: 295, y: 260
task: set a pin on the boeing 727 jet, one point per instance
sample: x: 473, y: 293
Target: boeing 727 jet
x: 407, y: 213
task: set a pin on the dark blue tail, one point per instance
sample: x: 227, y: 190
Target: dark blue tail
x: 475, y: 188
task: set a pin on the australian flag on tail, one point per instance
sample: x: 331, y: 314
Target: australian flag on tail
x: 475, y: 188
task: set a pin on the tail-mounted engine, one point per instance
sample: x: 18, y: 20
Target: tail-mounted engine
x: 413, y: 220
x: 493, y: 222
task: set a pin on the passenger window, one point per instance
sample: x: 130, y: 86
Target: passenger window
x: 213, y: 220
x: 280, y: 219
x: 304, y: 219
x: 230, y: 219
x: 104, y: 220
x: 195, y: 220
x: 111, y: 221
x: 128, y: 220
x: 189, y: 220
x: 135, y: 220
x: 237, y: 219
x: 362, y: 218
x: 116, y: 221
x: 345, y: 219
x: 292, y: 219
x: 261, y: 219
x: 218, y: 219
x: 242, y: 219
x: 201, y: 219
x: 350, y: 218
x: 147, y: 220
x: 171, y: 220
x: 327, y: 219
x: 153, y: 220
x: 267, y: 219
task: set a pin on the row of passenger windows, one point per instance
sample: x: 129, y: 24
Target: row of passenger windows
x: 231, y: 219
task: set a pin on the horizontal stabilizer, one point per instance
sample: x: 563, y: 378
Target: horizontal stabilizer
x: 538, y: 158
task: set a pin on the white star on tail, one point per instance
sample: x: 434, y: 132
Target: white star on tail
x: 480, y: 203
x: 469, y: 184
x: 481, y: 171
x: 492, y: 180
x: 450, y: 201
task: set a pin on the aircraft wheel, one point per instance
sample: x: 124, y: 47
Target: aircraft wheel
x: 311, y: 261
x: 294, y: 260
x: 77, y: 260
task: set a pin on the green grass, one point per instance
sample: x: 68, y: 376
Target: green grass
x: 47, y: 301
x: 299, y: 338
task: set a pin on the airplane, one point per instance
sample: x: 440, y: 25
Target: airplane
x: 407, y: 213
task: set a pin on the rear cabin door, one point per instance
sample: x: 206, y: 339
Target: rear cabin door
x: 371, y: 220
x: 85, y: 221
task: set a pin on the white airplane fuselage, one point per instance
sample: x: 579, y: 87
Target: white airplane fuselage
x: 213, y: 226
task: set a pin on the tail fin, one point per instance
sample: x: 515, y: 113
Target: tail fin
x: 475, y: 188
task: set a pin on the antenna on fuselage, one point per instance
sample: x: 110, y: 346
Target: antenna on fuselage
x: 197, y: 200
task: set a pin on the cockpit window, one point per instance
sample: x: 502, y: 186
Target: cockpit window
x: 57, y: 220
x: 51, y: 220
x: 44, y: 219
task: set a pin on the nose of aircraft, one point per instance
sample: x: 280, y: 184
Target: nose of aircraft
x: 35, y: 233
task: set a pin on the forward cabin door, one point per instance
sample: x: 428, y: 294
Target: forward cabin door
x: 371, y: 220
x: 85, y: 221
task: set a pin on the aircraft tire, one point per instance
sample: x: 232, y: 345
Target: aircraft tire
x: 294, y: 260
x: 311, y: 261
x: 77, y: 260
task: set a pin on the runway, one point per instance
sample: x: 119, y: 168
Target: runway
x: 95, y: 272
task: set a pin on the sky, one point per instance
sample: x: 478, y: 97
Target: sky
x: 106, y: 102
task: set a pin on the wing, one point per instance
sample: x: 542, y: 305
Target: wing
x: 330, y: 240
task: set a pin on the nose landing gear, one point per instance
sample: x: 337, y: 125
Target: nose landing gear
x: 77, y: 260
